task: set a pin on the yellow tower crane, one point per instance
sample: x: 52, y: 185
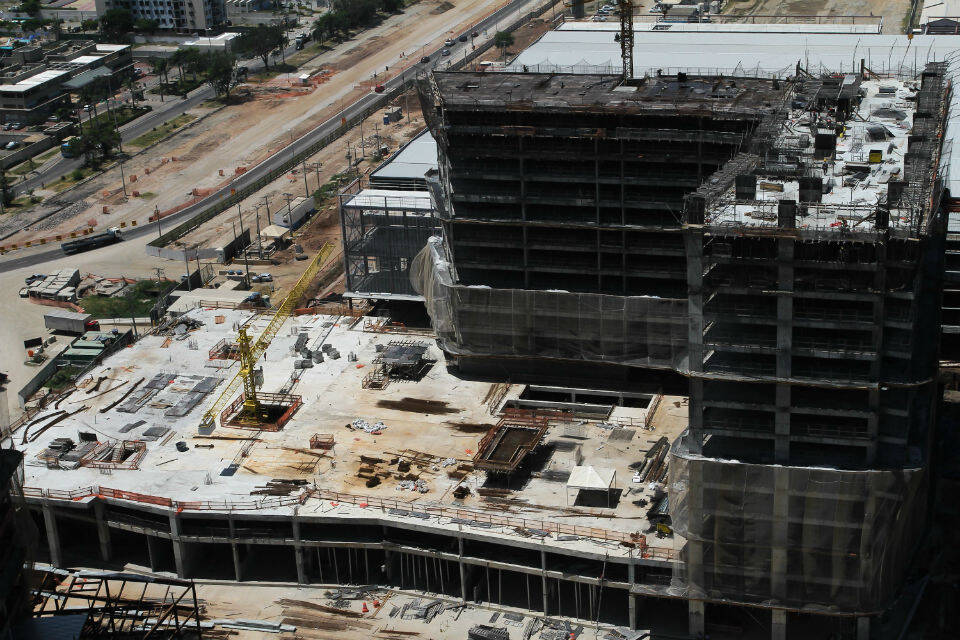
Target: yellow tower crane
x: 252, y: 412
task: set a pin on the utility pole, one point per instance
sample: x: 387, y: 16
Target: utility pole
x: 123, y: 180
x: 259, y: 237
x: 246, y: 261
x: 363, y: 148
x: 156, y: 214
x: 306, y: 188
x: 186, y: 261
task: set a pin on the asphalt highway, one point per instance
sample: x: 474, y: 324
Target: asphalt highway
x: 277, y: 159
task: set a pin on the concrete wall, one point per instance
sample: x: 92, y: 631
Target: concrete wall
x: 28, y: 151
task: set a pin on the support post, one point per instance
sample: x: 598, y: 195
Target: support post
x: 179, y: 549
x: 543, y: 578
x: 463, y: 571
x: 152, y: 553
x: 778, y: 626
x: 53, y: 536
x: 863, y: 628
x: 696, y: 617
x: 103, y: 531
x: 299, y: 555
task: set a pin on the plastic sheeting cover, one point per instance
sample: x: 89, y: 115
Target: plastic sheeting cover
x: 805, y: 537
x: 476, y: 320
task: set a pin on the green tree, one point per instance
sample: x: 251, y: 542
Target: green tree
x: 221, y: 72
x: 261, y: 41
x: 146, y: 24
x: 99, y: 139
x: 32, y: 24
x: 30, y: 7
x: 194, y: 61
x: 503, y: 40
x: 161, y: 67
x: 90, y: 25
x: 116, y: 24
x: 5, y: 192
x: 323, y: 28
x: 392, y: 6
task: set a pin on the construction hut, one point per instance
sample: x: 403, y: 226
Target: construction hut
x: 588, y: 477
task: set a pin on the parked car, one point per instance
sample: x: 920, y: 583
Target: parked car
x: 34, y: 278
x: 445, y: 52
x: 449, y: 42
x: 11, y: 145
x: 425, y: 59
x: 475, y: 34
x: 7, y: 126
x: 17, y: 126
x: 462, y: 38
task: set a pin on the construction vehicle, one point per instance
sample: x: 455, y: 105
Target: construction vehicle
x: 253, y: 412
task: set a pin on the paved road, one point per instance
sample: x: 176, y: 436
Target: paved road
x: 277, y: 159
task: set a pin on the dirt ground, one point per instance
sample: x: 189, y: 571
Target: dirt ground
x: 893, y: 11
x: 240, y: 136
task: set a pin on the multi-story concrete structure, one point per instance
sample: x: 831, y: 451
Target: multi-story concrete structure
x: 777, y: 241
x: 178, y: 15
x: 35, y: 80
x: 17, y: 542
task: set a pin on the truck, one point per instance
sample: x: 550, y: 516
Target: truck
x: 95, y: 241
x: 70, y: 147
x: 69, y: 321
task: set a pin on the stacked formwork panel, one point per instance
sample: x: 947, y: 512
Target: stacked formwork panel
x: 812, y: 358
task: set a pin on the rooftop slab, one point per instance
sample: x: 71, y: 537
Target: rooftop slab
x: 436, y: 423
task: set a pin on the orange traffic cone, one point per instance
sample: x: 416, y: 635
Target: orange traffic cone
x: 365, y: 610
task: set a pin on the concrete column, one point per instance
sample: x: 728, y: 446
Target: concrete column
x: 152, y: 553
x: 784, y: 364
x: 53, y: 536
x: 696, y: 617
x: 779, y: 543
x: 299, y: 555
x: 633, y: 611
x: 863, y: 628
x: 463, y: 571
x: 298, y: 552
x: 235, y: 551
x: 543, y: 577
x: 778, y: 627
x: 103, y: 531
x: 179, y: 548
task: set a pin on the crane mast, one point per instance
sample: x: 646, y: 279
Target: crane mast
x: 625, y: 8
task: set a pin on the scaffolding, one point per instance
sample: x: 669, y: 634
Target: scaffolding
x: 119, y: 604
x: 382, y: 232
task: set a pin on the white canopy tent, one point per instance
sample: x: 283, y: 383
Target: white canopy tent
x: 589, y: 477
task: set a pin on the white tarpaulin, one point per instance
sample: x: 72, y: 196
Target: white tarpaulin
x: 589, y: 477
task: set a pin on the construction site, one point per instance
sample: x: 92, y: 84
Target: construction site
x: 680, y: 378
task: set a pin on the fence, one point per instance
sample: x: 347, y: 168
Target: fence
x: 520, y: 526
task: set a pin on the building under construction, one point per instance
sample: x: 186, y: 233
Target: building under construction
x: 777, y: 241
